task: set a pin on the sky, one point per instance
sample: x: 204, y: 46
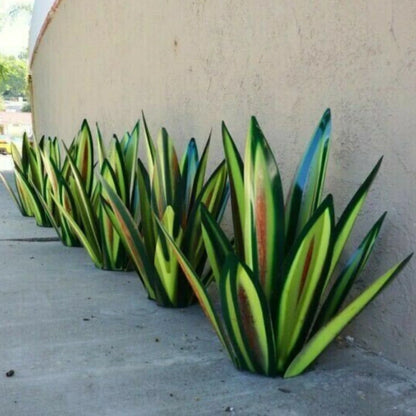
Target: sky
x: 14, y: 35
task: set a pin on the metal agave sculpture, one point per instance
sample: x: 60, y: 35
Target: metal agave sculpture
x: 64, y: 184
x: 280, y: 298
x: 172, y: 192
x: 41, y: 179
x: 79, y: 196
x: 31, y: 179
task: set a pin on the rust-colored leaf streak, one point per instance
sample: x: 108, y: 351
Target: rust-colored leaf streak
x: 85, y: 166
x: 130, y: 241
x: 261, y: 234
x: 306, y: 268
x: 109, y: 228
x: 249, y: 325
x: 67, y: 203
x: 208, y: 200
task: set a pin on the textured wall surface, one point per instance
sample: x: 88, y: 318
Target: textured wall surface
x: 191, y: 63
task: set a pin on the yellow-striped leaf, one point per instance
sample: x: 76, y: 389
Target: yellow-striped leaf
x: 130, y: 151
x: 100, y: 147
x: 304, y: 277
x: 214, y: 196
x: 216, y: 243
x: 165, y: 261
x: 116, y: 159
x: 93, y: 250
x: 348, y: 217
x: 84, y: 206
x: 29, y: 198
x: 150, y: 148
x: 131, y: 238
x: 69, y: 238
x: 166, y: 173
x: 264, y: 212
x: 247, y: 316
x: 84, y: 157
x: 327, y: 333
x: 110, y: 239
x: 307, y: 186
x: 236, y: 174
x: 148, y: 223
x: 342, y: 285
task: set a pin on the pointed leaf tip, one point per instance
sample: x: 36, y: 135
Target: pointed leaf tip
x: 326, y: 334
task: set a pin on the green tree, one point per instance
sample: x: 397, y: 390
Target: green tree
x: 13, y: 83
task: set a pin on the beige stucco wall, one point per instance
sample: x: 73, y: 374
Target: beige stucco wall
x: 190, y: 64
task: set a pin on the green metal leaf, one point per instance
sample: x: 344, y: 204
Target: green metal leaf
x: 131, y: 238
x: 130, y: 151
x: 52, y: 176
x: 29, y: 198
x: 51, y: 171
x: 216, y: 243
x: 66, y: 199
x: 188, y: 169
x: 348, y: 217
x: 231, y: 321
x: 84, y: 206
x: 110, y: 240
x: 116, y: 159
x: 54, y: 152
x: 17, y: 158
x: 24, y: 159
x: 214, y: 196
x: 165, y: 261
x: 305, y: 272
x: 58, y: 187
x: 51, y: 214
x: 236, y: 174
x: 328, y: 332
x: 102, y: 154
x: 198, y: 181
x: 84, y: 157
x: 23, y: 196
x: 93, y: 250
x: 247, y: 316
x: 166, y: 174
x: 36, y: 167
x: 342, y: 285
x: 307, y: 186
x: 19, y: 197
x: 150, y: 148
x: 47, y: 190
x: 148, y: 224
x: 264, y: 212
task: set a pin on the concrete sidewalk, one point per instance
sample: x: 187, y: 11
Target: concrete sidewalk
x: 87, y: 342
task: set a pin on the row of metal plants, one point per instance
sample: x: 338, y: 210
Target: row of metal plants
x: 280, y: 292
